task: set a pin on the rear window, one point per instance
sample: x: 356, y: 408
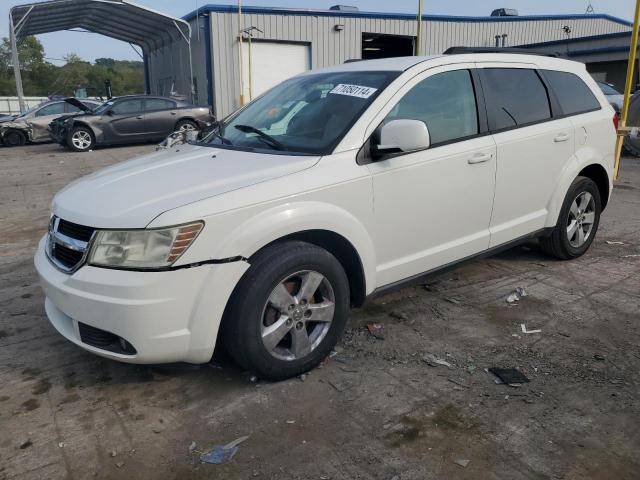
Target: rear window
x: 573, y: 94
x: 515, y: 97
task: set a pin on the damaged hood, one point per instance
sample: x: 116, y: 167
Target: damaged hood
x: 16, y: 123
x: 133, y: 193
x: 7, y: 118
x: 77, y: 103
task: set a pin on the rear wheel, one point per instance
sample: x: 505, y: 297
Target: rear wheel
x: 81, y: 139
x: 577, y: 223
x: 288, y: 311
x: 14, y: 138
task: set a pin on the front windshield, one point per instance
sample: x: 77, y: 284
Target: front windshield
x: 608, y: 89
x: 308, y: 114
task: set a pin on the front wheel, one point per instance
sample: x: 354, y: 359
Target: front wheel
x: 186, y: 126
x: 288, y: 311
x: 577, y: 223
x: 14, y: 138
x: 81, y: 139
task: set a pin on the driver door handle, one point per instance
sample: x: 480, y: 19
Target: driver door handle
x: 563, y: 137
x: 479, y: 158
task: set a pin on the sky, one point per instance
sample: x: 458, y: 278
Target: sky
x: 91, y: 46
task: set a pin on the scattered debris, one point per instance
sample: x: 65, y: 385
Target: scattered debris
x: 524, y: 329
x: 636, y: 255
x: 516, y: 295
x: 510, y: 376
x: 613, y: 242
x: 113, y: 453
x: 192, y: 447
x: 399, y: 315
x: 291, y: 422
x: 463, y: 462
x: 377, y: 330
x: 302, y: 377
x: 599, y: 357
x: 26, y: 444
x: 433, y: 361
x: 157, y: 429
x: 455, y: 301
x: 119, y: 464
x: 253, y: 379
x: 222, y: 453
x: 458, y: 382
x: 61, y: 444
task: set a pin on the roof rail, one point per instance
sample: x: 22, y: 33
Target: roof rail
x: 524, y: 51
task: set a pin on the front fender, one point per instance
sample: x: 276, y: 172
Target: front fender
x: 286, y: 219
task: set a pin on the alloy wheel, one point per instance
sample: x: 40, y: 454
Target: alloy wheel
x: 582, y: 215
x: 297, y: 315
x: 81, y: 139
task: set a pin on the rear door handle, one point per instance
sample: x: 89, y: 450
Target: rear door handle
x: 479, y: 158
x: 563, y: 137
x: 174, y: 113
x: 139, y: 118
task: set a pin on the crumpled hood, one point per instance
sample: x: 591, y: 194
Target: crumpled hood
x: 131, y: 194
x: 78, y: 104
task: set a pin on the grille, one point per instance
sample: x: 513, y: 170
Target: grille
x: 67, y: 257
x: 73, y: 230
x: 104, y: 340
x: 67, y: 243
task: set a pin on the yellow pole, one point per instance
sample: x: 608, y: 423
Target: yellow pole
x: 419, y: 28
x: 240, y: 54
x: 633, y: 48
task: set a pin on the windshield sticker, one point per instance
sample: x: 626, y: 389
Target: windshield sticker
x: 353, y: 90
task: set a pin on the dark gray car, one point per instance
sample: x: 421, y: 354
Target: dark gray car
x: 129, y: 119
x: 32, y: 125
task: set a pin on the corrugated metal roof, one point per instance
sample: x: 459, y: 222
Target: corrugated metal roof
x: 396, y: 16
x: 117, y: 19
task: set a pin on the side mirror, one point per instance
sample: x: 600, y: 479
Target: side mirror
x: 399, y: 136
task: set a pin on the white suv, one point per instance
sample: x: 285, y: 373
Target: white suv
x: 334, y: 186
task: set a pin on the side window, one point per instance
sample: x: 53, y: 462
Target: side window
x: 158, y: 104
x: 52, y: 109
x: 445, y: 102
x: 127, y: 106
x: 515, y: 97
x: 573, y: 94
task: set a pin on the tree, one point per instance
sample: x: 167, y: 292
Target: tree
x: 41, y: 78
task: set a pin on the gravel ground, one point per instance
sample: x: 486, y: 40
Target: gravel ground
x: 381, y: 408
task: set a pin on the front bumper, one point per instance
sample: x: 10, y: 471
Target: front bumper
x: 166, y: 316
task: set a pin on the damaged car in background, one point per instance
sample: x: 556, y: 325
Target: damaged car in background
x: 128, y: 119
x: 32, y: 125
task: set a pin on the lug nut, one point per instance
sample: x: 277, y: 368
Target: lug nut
x: 299, y: 325
x: 307, y: 313
x: 289, y: 322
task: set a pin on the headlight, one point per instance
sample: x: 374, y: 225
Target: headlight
x: 145, y: 249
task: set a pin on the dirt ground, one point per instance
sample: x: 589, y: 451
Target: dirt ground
x: 375, y: 410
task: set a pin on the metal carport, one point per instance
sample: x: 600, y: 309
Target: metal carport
x: 119, y: 19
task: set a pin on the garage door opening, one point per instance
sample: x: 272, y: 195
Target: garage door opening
x: 384, y: 46
x: 272, y: 63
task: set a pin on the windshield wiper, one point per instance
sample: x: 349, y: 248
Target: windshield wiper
x: 272, y: 142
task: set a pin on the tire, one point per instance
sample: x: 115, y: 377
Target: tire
x: 274, y: 278
x: 14, y: 138
x: 186, y: 125
x: 581, y: 205
x: 81, y: 139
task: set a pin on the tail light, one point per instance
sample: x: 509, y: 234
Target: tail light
x: 616, y: 120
